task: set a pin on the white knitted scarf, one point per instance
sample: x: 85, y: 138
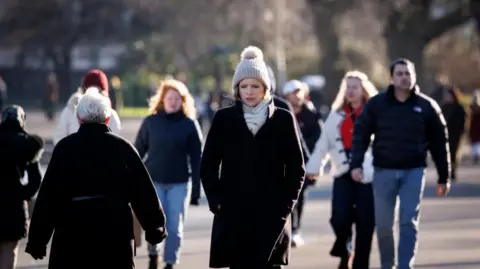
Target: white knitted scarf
x: 255, y: 117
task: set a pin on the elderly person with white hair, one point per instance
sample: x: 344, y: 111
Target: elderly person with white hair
x: 68, y: 122
x: 94, y: 180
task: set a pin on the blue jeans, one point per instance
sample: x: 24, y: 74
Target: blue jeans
x: 408, y: 186
x: 175, y: 199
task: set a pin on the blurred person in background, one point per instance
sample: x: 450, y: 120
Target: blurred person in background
x: 352, y: 202
x: 456, y: 119
x: 307, y: 119
x: 97, y: 78
x: 170, y: 141
x: 474, y: 131
x: 51, y: 96
x: 93, y: 181
x: 20, y: 152
x: 253, y: 194
x: 279, y: 102
x: 68, y: 122
x: 3, y: 94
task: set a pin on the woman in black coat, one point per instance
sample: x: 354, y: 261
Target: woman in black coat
x: 92, y: 182
x: 20, y: 152
x: 257, y: 146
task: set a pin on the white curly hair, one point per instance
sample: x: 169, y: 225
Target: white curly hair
x: 93, y: 107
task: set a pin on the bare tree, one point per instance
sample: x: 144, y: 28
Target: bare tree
x: 326, y: 17
x: 411, y: 25
x: 56, y: 26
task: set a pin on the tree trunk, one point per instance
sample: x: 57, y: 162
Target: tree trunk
x: 401, y: 44
x: 329, y: 64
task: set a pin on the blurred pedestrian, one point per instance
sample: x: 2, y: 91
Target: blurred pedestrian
x: 307, y: 118
x: 97, y: 78
x: 253, y: 194
x: 474, y: 130
x: 352, y: 202
x: 170, y: 139
x: 3, y: 94
x: 456, y: 119
x: 67, y: 123
x: 92, y: 183
x: 20, y: 152
x: 406, y: 125
x: 51, y: 96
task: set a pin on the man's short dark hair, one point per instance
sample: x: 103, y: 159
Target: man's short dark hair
x: 402, y: 61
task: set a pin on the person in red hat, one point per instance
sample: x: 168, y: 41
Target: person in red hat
x: 68, y: 121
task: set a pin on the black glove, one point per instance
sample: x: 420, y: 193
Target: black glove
x: 156, y: 236
x: 194, y: 201
x: 36, y: 251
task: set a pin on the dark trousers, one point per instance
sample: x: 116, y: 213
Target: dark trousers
x: 352, y: 202
x: 298, y: 210
x: 454, y: 146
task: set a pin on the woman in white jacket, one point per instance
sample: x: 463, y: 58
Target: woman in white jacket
x: 68, y: 122
x: 352, y: 202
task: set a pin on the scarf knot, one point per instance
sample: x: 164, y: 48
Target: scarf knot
x: 255, y: 117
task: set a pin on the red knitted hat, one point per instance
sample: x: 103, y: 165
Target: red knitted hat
x: 95, y: 78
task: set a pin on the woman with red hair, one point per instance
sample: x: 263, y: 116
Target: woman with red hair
x: 170, y: 141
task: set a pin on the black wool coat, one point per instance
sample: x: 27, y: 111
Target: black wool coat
x: 92, y: 183
x: 20, y: 152
x: 252, y: 183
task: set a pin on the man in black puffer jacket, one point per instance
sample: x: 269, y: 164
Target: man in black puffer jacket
x: 19, y: 152
x: 406, y: 124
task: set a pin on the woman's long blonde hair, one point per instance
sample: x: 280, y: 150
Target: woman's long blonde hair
x: 188, y: 104
x: 369, y: 90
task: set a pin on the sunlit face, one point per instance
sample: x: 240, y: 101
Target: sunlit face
x: 354, y: 91
x: 403, y: 76
x: 251, y: 91
x: 172, y: 101
x: 296, y: 98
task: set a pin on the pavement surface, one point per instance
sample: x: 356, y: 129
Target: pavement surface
x: 449, y: 231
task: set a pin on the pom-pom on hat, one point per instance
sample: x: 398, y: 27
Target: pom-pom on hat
x: 96, y: 78
x: 251, y: 66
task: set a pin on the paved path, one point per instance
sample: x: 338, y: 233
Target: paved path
x: 449, y: 238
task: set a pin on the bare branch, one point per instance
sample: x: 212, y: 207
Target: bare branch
x: 437, y: 27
